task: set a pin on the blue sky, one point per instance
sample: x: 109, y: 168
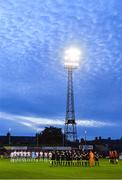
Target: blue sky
x: 33, y: 81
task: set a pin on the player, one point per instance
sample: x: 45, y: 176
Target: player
x: 91, y: 158
x: 115, y: 157
x: 83, y: 155
x: 96, y: 158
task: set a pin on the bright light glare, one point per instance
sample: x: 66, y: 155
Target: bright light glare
x: 72, y: 57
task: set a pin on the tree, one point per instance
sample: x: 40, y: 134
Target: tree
x: 51, y: 136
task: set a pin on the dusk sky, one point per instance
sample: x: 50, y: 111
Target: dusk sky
x: 33, y: 81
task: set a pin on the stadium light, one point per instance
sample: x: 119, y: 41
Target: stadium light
x: 72, y: 57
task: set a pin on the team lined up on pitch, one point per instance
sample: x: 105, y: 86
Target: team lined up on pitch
x: 57, y: 158
x: 75, y: 158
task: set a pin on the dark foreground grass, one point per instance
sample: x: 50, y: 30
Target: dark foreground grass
x: 42, y: 170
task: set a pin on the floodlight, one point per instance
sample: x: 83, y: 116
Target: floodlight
x: 72, y: 57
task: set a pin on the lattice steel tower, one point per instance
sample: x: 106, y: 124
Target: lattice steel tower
x: 72, y: 57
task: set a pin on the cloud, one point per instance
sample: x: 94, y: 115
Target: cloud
x: 38, y: 123
x: 94, y: 123
x: 34, y: 42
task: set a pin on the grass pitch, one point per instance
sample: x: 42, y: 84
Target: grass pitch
x: 42, y: 170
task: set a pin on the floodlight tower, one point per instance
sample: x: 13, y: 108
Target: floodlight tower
x: 71, y: 62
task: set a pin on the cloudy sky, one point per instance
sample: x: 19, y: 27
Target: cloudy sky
x: 33, y: 81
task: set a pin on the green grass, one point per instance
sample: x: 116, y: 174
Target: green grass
x: 41, y: 170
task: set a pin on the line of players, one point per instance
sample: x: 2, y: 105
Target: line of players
x: 57, y: 158
x: 74, y: 158
x: 28, y: 156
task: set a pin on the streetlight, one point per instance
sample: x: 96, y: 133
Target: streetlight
x: 9, y: 136
x: 85, y: 137
x: 37, y: 138
x: 63, y: 137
